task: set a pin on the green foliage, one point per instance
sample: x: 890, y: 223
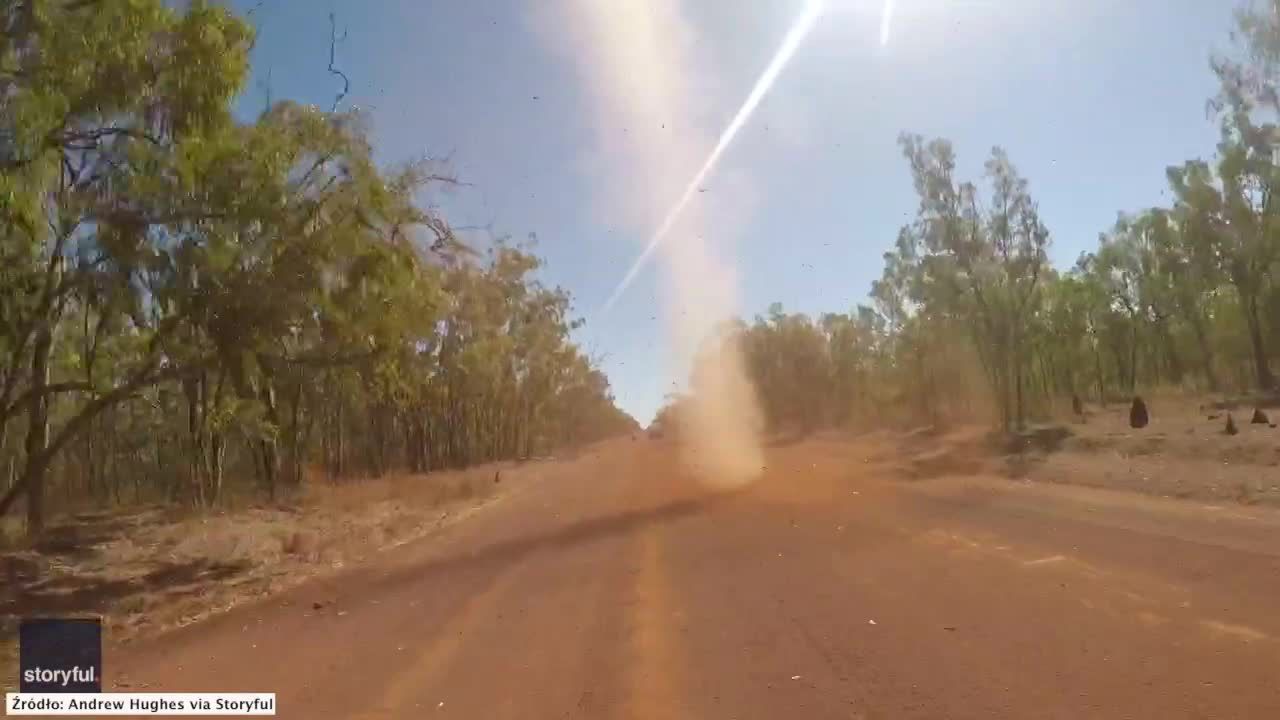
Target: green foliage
x: 1180, y: 296
x: 185, y: 298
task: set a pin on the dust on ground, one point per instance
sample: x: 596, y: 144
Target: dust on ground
x: 1183, y: 453
x: 150, y: 569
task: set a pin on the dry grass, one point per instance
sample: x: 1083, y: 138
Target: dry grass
x: 1183, y: 453
x: 152, y: 568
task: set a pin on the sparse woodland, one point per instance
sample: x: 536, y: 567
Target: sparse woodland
x: 194, y: 307
x: 969, y: 319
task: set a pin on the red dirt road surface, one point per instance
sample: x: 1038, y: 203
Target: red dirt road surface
x: 617, y: 587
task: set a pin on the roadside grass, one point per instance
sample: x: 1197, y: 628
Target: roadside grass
x: 144, y: 569
x: 1183, y: 452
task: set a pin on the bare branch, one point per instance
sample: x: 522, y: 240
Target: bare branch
x: 265, y: 86
x: 333, y: 48
x: 92, y: 136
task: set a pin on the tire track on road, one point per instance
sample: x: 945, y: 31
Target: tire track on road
x: 397, y: 695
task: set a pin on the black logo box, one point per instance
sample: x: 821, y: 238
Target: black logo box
x: 60, y: 655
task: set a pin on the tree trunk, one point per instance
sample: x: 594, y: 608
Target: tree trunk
x: 1266, y: 381
x: 194, y: 390
x: 1052, y: 380
x: 216, y: 451
x: 37, y: 433
x: 1133, y: 360
x: 1016, y: 359
x: 1206, y: 352
x: 1176, y: 369
x: 1102, y: 384
x: 267, y: 448
x: 295, y: 436
x: 340, y: 448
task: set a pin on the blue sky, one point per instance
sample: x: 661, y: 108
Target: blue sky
x: 1091, y: 98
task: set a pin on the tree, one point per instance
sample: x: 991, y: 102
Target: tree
x: 981, y: 265
x: 1241, y: 212
x: 1183, y: 295
x: 99, y: 98
x: 186, y: 298
x: 1233, y: 215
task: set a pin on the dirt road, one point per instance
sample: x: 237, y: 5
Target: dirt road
x: 619, y: 588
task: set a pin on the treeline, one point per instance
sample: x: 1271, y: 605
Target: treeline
x: 192, y: 306
x: 970, y: 319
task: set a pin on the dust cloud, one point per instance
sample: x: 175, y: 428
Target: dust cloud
x: 637, y: 58
x: 722, y: 420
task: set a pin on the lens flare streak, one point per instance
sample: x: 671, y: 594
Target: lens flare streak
x: 886, y: 22
x: 790, y: 43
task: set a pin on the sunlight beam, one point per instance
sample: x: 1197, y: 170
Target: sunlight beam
x: 886, y: 22
x: 790, y: 44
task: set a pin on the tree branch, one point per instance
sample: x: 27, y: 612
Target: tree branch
x: 144, y: 378
x: 34, y: 393
x: 333, y: 48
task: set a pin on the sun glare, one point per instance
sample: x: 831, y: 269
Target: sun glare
x: 790, y: 43
x: 886, y: 22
